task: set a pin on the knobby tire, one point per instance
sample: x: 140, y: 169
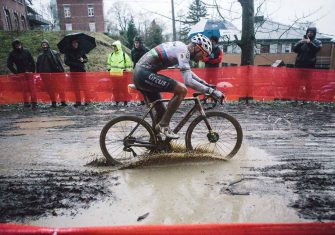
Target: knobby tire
x: 228, y: 129
x: 114, y: 133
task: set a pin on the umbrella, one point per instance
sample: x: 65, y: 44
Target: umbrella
x: 86, y: 42
x: 212, y: 27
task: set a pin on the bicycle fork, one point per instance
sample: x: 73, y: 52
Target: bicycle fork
x: 212, y: 135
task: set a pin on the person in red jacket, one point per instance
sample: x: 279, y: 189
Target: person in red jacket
x: 215, y: 58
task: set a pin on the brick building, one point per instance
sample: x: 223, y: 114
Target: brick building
x: 83, y: 15
x: 13, y: 15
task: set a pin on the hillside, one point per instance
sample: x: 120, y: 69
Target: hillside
x: 31, y: 39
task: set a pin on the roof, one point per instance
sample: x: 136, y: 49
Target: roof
x: 265, y: 30
x: 270, y: 30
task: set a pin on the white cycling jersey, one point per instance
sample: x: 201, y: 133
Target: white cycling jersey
x: 172, y: 54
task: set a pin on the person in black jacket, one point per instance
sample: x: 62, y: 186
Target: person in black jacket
x: 76, y: 58
x: 48, y: 62
x: 137, y: 52
x: 307, y: 49
x: 21, y: 62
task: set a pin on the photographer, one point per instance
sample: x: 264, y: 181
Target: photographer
x: 307, y: 49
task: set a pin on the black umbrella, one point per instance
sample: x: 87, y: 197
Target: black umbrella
x: 86, y: 42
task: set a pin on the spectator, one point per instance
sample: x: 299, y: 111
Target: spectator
x: 137, y: 52
x: 306, y: 49
x: 76, y: 58
x: 118, y: 62
x: 24, y: 67
x: 213, y: 61
x: 215, y: 58
x: 49, y: 62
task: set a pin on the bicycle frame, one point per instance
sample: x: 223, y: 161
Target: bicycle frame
x: 197, y: 107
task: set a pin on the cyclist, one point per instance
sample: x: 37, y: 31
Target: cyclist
x: 150, y: 83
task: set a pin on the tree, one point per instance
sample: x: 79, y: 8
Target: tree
x: 248, y: 32
x: 119, y: 16
x: 154, y: 36
x: 197, y: 10
x: 131, y: 33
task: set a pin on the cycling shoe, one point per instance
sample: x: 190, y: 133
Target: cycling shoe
x: 166, y: 131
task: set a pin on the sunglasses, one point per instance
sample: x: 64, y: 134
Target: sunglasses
x: 204, y: 53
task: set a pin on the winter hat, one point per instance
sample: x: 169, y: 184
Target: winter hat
x: 45, y: 41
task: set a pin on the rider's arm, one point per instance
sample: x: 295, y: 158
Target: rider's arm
x: 193, y: 81
x: 190, y: 79
x: 198, y: 79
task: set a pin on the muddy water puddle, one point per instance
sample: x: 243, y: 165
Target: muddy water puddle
x: 42, y: 141
x: 212, y: 191
x: 283, y: 173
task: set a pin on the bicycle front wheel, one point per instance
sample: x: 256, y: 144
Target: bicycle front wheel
x: 224, y: 139
x: 119, y: 147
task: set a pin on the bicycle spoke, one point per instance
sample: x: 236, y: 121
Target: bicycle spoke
x: 117, y: 145
x: 224, y: 140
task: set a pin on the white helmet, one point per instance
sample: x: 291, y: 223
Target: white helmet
x: 203, y: 42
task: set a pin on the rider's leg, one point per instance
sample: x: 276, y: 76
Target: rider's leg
x: 180, y: 92
x: 152, y: 83
x: 159, y: 107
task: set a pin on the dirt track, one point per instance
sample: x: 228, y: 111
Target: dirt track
x: 51, y: 164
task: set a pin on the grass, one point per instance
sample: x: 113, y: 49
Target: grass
x: 97, y: 58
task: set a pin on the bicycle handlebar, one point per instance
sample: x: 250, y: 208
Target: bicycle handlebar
x: 207, y: 96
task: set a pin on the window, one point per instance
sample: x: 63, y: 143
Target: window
x: 90, y: 10
x: 23, y: 22
x: 289, y: 48
x: 68, y: 27
x: 92, y: 27
x: 265, y: 48
x: 279, y: 48
x: 8, y: 21
x: 16, y: 22
x: 67, y: 11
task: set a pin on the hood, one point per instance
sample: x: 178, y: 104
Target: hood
x: 312, y: 29
x: 118, y: 45
x: 15, y: 41
x: 45, y: 41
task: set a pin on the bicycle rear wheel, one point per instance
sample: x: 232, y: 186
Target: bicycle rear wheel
x: 224, y: 140
x: 120, y: 148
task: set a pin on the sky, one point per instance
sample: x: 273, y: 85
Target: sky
x: 320, y: 12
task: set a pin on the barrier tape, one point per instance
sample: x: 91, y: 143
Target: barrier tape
x: 312, y: 228
x: 259, y: 83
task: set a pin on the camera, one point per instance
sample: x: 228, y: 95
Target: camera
x: 305, y: 37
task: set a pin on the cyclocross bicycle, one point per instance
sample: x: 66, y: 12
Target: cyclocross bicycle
x: 128, y: 138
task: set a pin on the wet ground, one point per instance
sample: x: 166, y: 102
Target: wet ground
x: 53, y: 173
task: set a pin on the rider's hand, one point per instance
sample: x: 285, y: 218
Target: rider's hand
x: 216, y: 94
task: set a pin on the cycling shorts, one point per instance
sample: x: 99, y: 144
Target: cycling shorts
x: 151, y: 83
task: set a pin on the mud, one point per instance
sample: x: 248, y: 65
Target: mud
x: 37, y: 193
x: 51, y: 169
